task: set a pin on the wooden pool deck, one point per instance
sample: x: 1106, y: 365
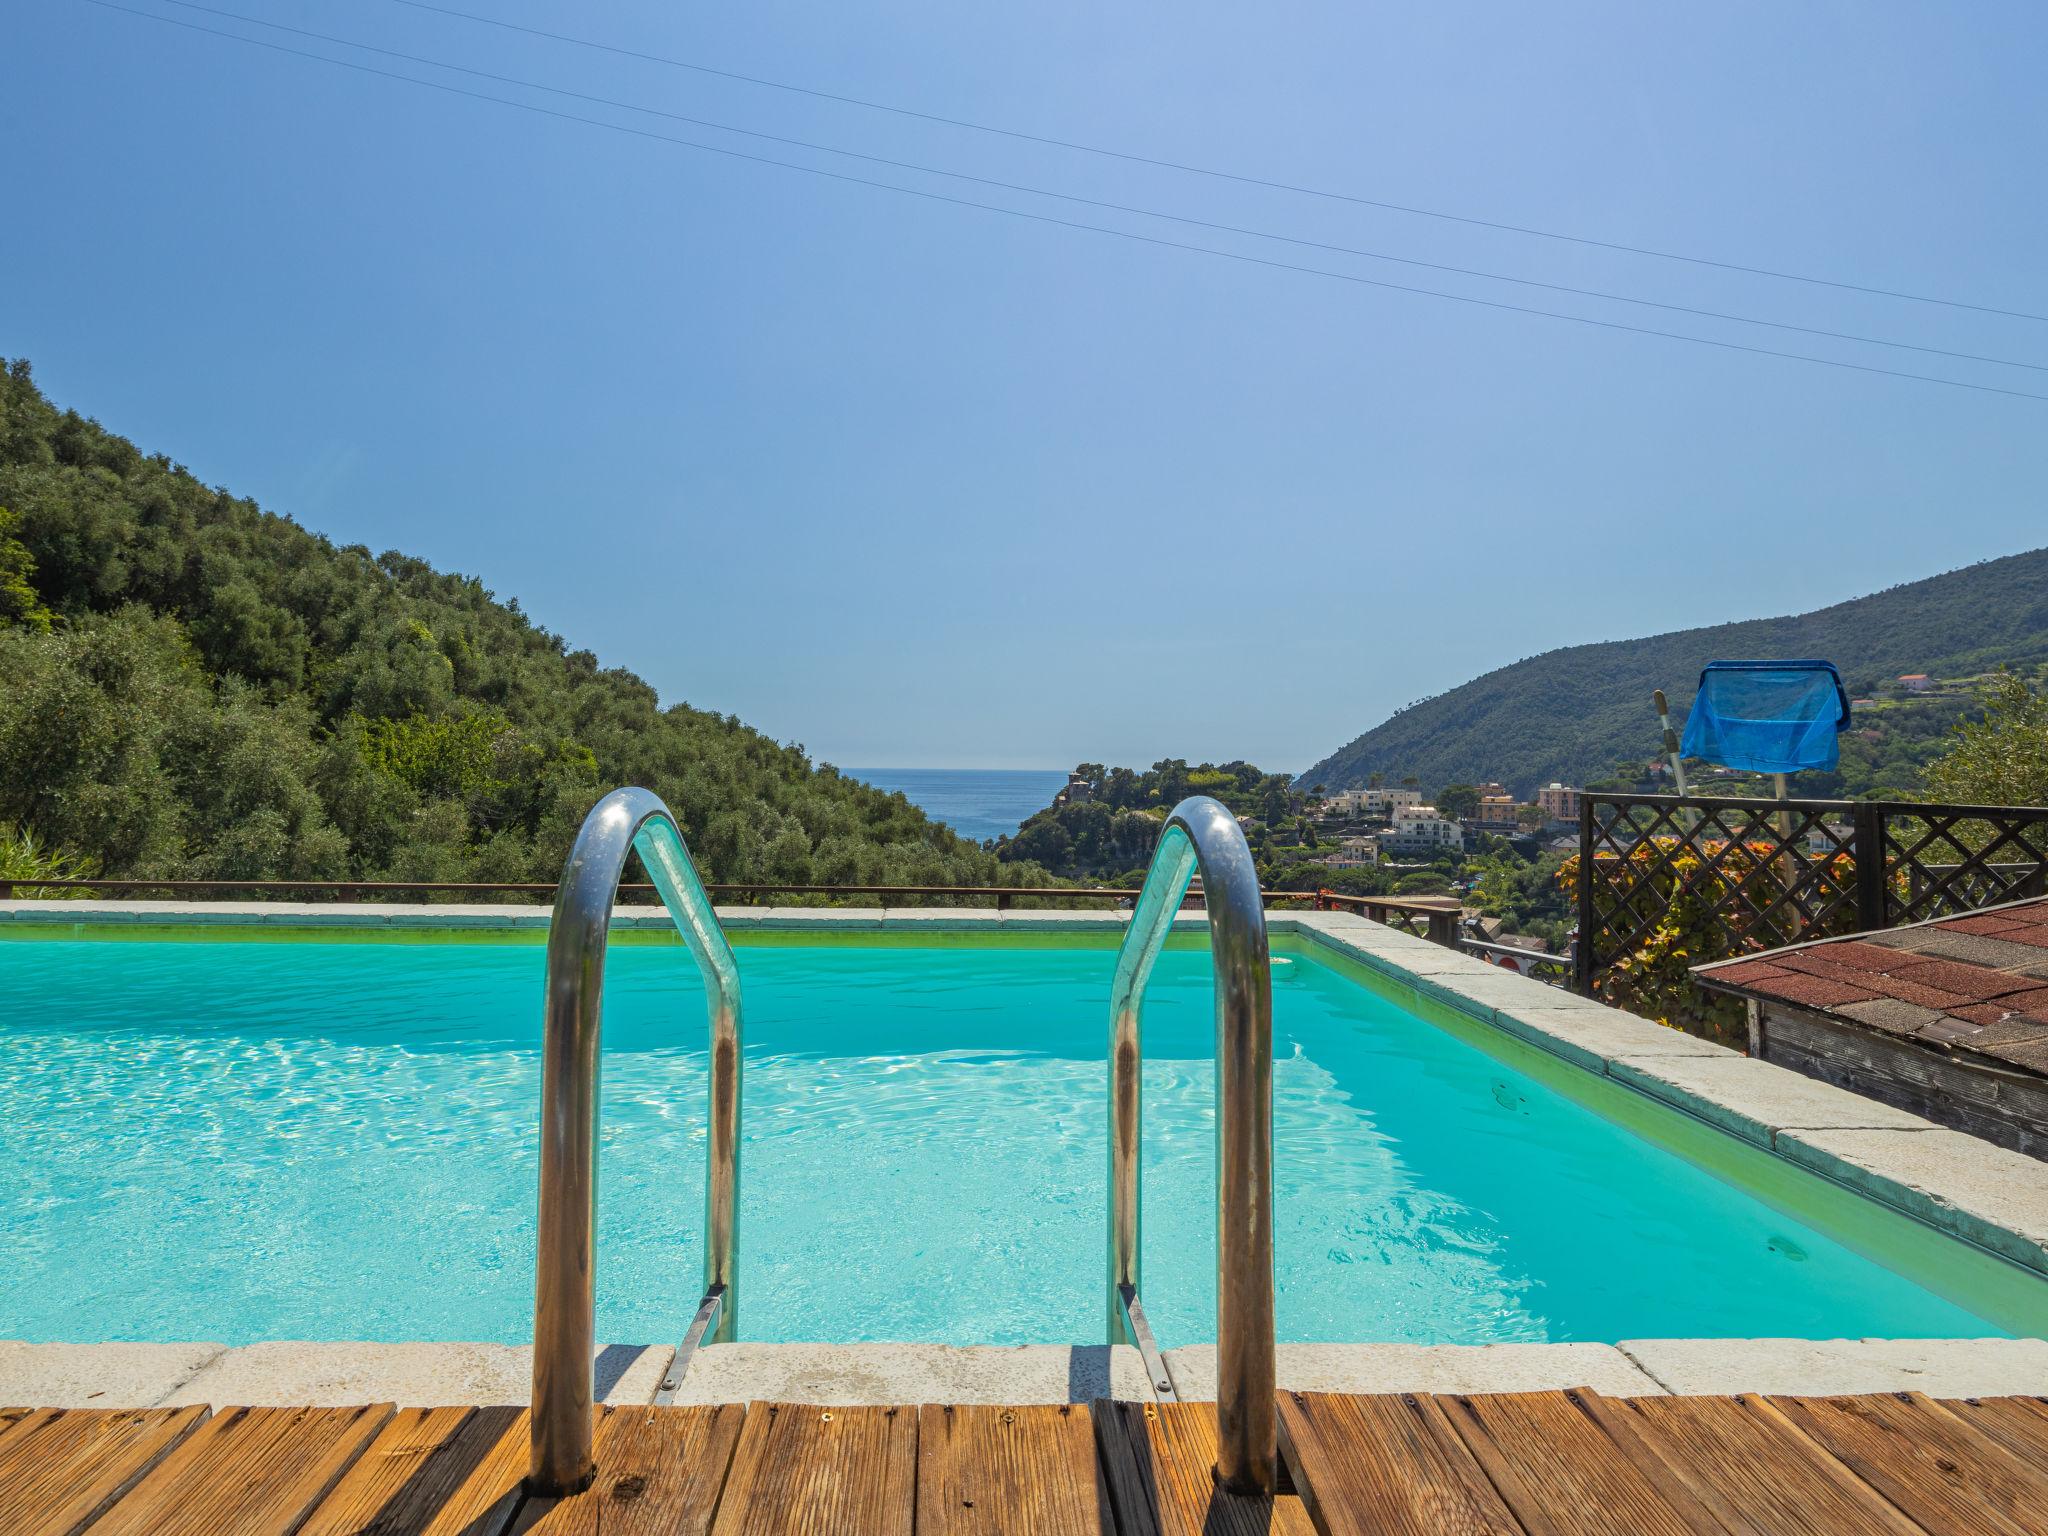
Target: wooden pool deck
x: 1541, y: 1463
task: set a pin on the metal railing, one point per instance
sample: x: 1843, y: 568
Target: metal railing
x: 1200, y: 833
x: 1432, y: 917
x: 1538, y: 964
x: 748, y: 894
x: 564, y: 1318
x: 1435, y: 918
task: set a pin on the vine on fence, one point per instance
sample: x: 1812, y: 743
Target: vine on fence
x: 1712, y: 900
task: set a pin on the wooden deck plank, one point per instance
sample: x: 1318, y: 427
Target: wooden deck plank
x: 1161, y: 1459
x: 2020, y: 1424
x: 659, y: 1472
x: 1563, y: 1474
x: 252, y: 1471
x: 1386, y: 1465
x: 1748, y: 1463
x: 60, y: 1468
x: 381, y: 1474
x: 822, y: 1472
x: 1529, y: 1464
x: 987, y: 1471
x: 484, y: 1501
x: 9, y: 1417
x: 431, y: 1472
x: 1933, y: 1465
x: 1130, y: 1499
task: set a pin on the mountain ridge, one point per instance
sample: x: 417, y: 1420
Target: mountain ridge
x: 1570, y: 714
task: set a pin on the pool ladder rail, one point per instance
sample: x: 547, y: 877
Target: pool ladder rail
x: 564, y: 1316
x: 1199, y: 835
x: 1202, y: 835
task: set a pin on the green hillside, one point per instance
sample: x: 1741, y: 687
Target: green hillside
x: 196, y: 687
x: 1572, y: 714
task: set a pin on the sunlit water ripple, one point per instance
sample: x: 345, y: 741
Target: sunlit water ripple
x: 243, y: 1141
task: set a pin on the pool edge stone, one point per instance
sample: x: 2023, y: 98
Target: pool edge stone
x: 295, y: 1373
x: 784, y: 919
x: 1595, y: 1037
x: 1448, y: 1368
x: 1754, y: 1099
x: 1827, y: 1367
x: 1968, y: 1188
x: 124, y: 1375
x: 855, y: 1375
x: 1591, y: 1035
x: 110, y: 1375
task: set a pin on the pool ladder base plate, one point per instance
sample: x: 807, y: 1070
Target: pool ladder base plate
x: 1139, y: 1331
x: 702, y: 1326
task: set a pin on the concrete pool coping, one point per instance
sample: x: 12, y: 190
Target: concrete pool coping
x: 291, y: 1374
x: 1993, y: 1199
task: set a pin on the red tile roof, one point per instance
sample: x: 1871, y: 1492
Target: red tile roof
x: 1819, y: 992
x: 1983, y: 975
x: 1989, y: 922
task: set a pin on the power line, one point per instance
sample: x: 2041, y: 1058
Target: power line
x: 1110, y: 206
x: 1210, y: 171
x: 1043, y: 218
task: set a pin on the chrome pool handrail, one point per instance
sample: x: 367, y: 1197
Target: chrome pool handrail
x: 1201, y: 834
x: 564, y: 1321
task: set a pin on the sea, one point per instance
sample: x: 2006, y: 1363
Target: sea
x: 978, y: 803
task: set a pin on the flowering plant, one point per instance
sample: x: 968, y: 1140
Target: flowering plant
x: 1705, y: 901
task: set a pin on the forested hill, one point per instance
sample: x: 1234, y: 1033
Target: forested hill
x: 1572, y: 714
x: 196, y: 687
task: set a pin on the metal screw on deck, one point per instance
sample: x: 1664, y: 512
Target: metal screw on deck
x: 1201, y: 834
x: 564, y: 1319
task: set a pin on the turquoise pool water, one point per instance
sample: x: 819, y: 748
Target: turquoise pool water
x: 239, y: 1141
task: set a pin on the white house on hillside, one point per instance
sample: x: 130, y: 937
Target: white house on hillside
x: 1422, y: 830
x: 1370, y: 802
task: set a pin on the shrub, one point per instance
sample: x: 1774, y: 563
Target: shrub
x: 23, y: 858
x: 1712, y: 900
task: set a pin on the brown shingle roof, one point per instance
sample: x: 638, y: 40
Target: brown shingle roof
x: 1978, y: 981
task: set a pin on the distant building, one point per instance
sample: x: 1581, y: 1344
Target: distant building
x: 1916, y: 682
x: 1389, y: 802
x: 1370, y: 802
x: 1496, y: 812
x: 1424, y: 830
x: 1357, y: 852
x: 1494, y: 930
x: 1078, y: 790
x: 1560, y: 802
x: 1825, y: 839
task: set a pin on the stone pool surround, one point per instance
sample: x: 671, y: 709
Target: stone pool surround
x: 1992, y: 1199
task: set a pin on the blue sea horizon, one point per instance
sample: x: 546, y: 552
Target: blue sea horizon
x: 978, y: 803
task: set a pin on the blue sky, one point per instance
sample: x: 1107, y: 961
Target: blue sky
x: 919, y: 484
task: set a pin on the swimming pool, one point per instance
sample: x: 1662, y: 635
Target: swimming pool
x: 204, y: 1139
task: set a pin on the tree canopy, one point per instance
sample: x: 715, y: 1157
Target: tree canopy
x: 197, y: 687
x: 2001, y: 759
x: 1111, y: 825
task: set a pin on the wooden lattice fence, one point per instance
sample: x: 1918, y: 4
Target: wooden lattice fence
x: 1732, y: 876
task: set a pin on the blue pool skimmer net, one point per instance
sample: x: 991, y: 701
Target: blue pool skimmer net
x: 1768, y: 716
